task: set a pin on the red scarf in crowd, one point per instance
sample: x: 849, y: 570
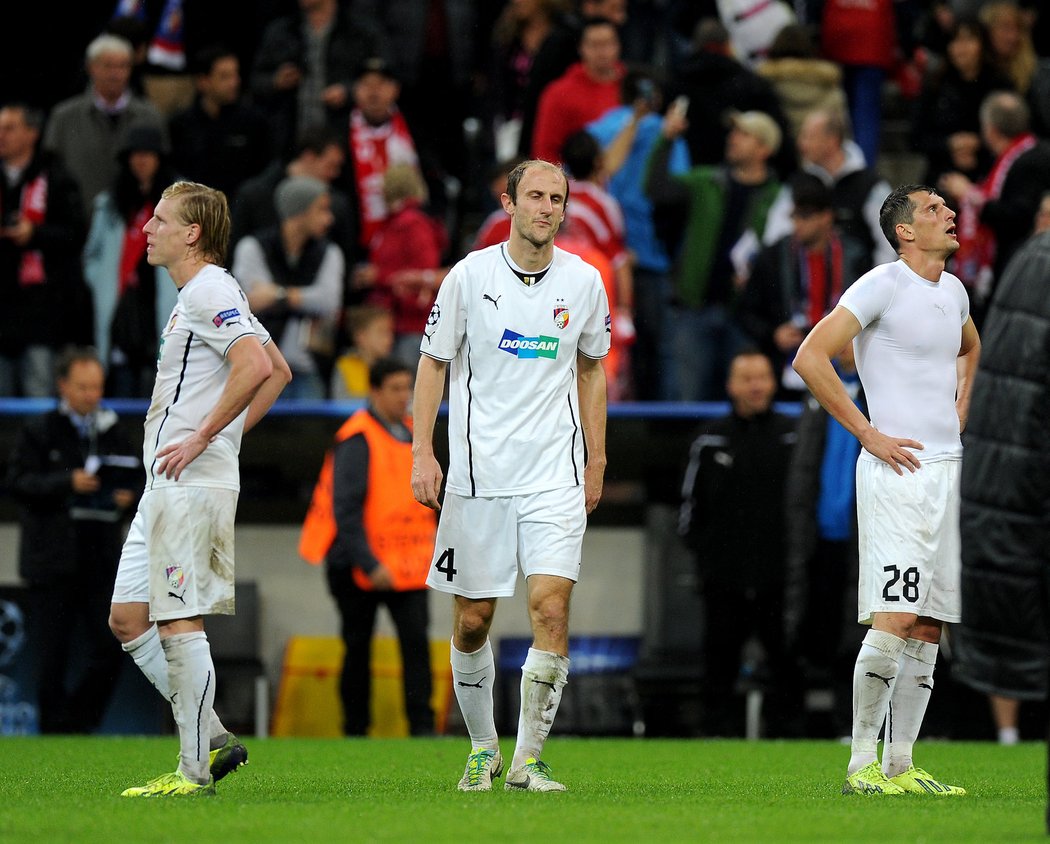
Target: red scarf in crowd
x: 373, y: 149
x: 974, y: 259
x: 134, y: 249
x: 822, y: 279
x: 33, y: 207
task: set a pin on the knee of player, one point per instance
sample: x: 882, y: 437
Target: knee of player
x: 120, y: 626
x: 551, y: 612
x: 126, y: 622
x: 899, y: 624
x: 472, y: 628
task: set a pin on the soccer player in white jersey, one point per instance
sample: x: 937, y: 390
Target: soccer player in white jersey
x: 524, y: 326
x: 916, y: 349
x: 218, y: 372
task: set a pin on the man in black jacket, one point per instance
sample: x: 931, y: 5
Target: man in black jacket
x: 1008, y: 198
x: 1001, y: 644
x: 732, y: 518
x: 42, y: 228
x: 305, y: 64
x: 74, y: 475
x: 798, y: 279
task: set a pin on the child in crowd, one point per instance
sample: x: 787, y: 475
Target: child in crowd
x: 371, y: 330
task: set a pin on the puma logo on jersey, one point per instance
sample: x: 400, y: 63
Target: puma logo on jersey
x: 495, y: 302
x: 941, y: 308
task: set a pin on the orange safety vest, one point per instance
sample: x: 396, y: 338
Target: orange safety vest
x: 400, y: 530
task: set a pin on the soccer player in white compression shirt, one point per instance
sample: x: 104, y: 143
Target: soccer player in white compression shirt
x: 917, y: 350
x: 218, y: 373
x: 524, y: 326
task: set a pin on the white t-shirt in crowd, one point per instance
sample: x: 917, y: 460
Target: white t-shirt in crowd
x: 906, y: 354
x: 514, y: 415
x: 210, y: 316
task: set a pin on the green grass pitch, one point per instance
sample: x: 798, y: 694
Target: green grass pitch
x: 656, y: 790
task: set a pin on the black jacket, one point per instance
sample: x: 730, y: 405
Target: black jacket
x: 353, y: 38
x: 221, y: 151
x: 1001, y: 645
x: 774, y: 291
x: 40, y: 475
x: 732, y: 514
x: 58, y: 309
x: 252, y: 210
x: 1010, y: 216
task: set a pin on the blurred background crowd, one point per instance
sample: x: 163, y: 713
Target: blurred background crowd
x: 727, y: 163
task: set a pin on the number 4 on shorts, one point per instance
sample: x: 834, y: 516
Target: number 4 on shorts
x: 446, y: 564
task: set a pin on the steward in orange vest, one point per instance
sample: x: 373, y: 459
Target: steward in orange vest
x: 377, y: 542
x: 398, y: 529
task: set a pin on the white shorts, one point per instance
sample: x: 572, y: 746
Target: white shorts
x: 909, y: 540
x: 178, y: 556
x: 482, y: 541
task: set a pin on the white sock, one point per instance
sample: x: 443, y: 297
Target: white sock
x: 873, y: 677
x: 148, y: 655
x: 474, y: 675
x: 911, y: 694
x: 543, y: 676
x: 1009, y: 735
x: 192, y: 676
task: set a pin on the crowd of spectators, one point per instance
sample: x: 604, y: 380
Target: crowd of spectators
x: 700, y: 114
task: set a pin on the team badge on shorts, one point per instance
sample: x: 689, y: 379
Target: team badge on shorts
x: 175, y: 577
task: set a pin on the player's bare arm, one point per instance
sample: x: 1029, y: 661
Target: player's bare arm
x: 250, y: 366
x: 426, y: 399
x: 966, y: 366
x: 271, y: 388
x: 813, y: 363
x: 590, y: 381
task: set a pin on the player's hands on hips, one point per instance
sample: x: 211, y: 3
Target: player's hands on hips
x: 426, y: 480
x: 892, y: 450
x: 177, y: 456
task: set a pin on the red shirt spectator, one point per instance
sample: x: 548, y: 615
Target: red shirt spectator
x: 584, y: 93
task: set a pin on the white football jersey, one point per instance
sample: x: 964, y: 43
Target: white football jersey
x: 514, y: 415
x: 906, y: 354
x: 210, y: 316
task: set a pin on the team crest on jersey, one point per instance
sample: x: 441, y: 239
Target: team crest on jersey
x: 223, y: 316
x: 528, y: 347
x: 171, y: 325
x: 435, y: 316
x: 561, y: 316
x: 175, y: 576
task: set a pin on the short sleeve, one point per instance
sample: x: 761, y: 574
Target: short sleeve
x: 597, y: 328
x: 447, y: 320
x: 218, y: 314
x: 868, y: 298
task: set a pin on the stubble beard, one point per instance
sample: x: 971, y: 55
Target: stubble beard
x: 537, y: 242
